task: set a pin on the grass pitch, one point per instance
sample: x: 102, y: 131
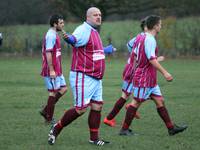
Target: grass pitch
x: 22, y: 92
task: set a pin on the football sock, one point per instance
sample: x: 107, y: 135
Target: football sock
x: 69, y: 116
x: 94, y: 120
x: 49, y: 108
x: 57, y: 96
x: 162, y: 111
x: 130, y: 113
x: 117, y: 107
x: 57, y: 129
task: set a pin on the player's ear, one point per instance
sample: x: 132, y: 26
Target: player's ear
x: 55, y: 25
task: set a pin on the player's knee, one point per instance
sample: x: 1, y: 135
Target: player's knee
x: 97, y: 107
x: 125, y: 95
x: 63, y: 90
x: 52, y: 94
x: 81, y: 111
x: 135, y: 103
x: 159, y: 103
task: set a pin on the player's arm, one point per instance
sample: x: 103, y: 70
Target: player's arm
x: 160, y: 58
x: 50, y: 64
x: 130, y: 44
x: 161, y: 69
x: 150, y: 47
x: 70, y: 39
x: 50, y: 42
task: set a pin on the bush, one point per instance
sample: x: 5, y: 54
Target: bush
x: 178, y: 37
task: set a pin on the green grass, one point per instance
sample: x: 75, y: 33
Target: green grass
x: 22, y: 92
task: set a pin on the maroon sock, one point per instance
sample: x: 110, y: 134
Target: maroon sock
x: 130, y: 113
x: 57, y: 129
x: 117, y: 107
x: 69, y: 116
x: 57, y: 96
x: 94, y: 120
x: 49, y: 108
x: 162, y: 111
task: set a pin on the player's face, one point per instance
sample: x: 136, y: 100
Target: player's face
x: 158, y: 26
x: 145, y: 28
x: 95, y: 18
x: 60, y: 25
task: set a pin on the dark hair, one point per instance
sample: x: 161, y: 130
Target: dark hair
x: 143, y: 23
x: 54, y: 19
x: 152, y: 21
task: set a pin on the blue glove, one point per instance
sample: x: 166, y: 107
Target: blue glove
x: 109, y: 49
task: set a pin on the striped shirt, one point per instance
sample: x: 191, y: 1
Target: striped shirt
x: 88, y: 54
x: 129, y: 67
x: 51, y: 43
x: 145, y: 49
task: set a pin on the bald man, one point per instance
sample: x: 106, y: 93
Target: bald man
x: 87, y: 70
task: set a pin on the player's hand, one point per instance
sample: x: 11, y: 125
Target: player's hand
x: 168, y: 77
x: 52, y: 74
x: 64, y: 34
x: 113, y: 48
x: 161, y: 58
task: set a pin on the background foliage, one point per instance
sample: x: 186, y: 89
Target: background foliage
x: 178, y: 37
x: 24, y: 23
x: 36, y: 11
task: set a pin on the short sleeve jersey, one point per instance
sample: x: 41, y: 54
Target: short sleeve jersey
x: 88, y: 53
x: 145, y: 49
x: 51, y: 43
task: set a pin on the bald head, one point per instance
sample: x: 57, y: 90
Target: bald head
x: 91, y: 10
x: 93, y: 16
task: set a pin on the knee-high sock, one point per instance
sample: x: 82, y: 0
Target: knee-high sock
x: 49, y: 108
x: 163, y: 113
x: 69, y: 116
x: 130, y: 113
x: 117, y: 107
x: 57, y: 97
x: 94, y: 120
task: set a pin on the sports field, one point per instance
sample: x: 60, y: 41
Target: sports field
x: 22, y: 93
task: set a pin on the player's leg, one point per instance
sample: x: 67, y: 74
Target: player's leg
x: 63, y: 89
x: 130, y: 115
x: 163, y: 112
x: 161, y: 109
x: 110, y: 118
x: 137, y: 115
x: 56, y: 87
x: 140, y: 95
x: 47, y: 111
x: 68, y: 117
x: 94, y: 118
x: 80, y: 102
x: 126, y: 91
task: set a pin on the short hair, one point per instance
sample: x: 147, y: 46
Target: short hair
x: 54, y: 19
x: 152, y: 20
x: 143, y: 23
